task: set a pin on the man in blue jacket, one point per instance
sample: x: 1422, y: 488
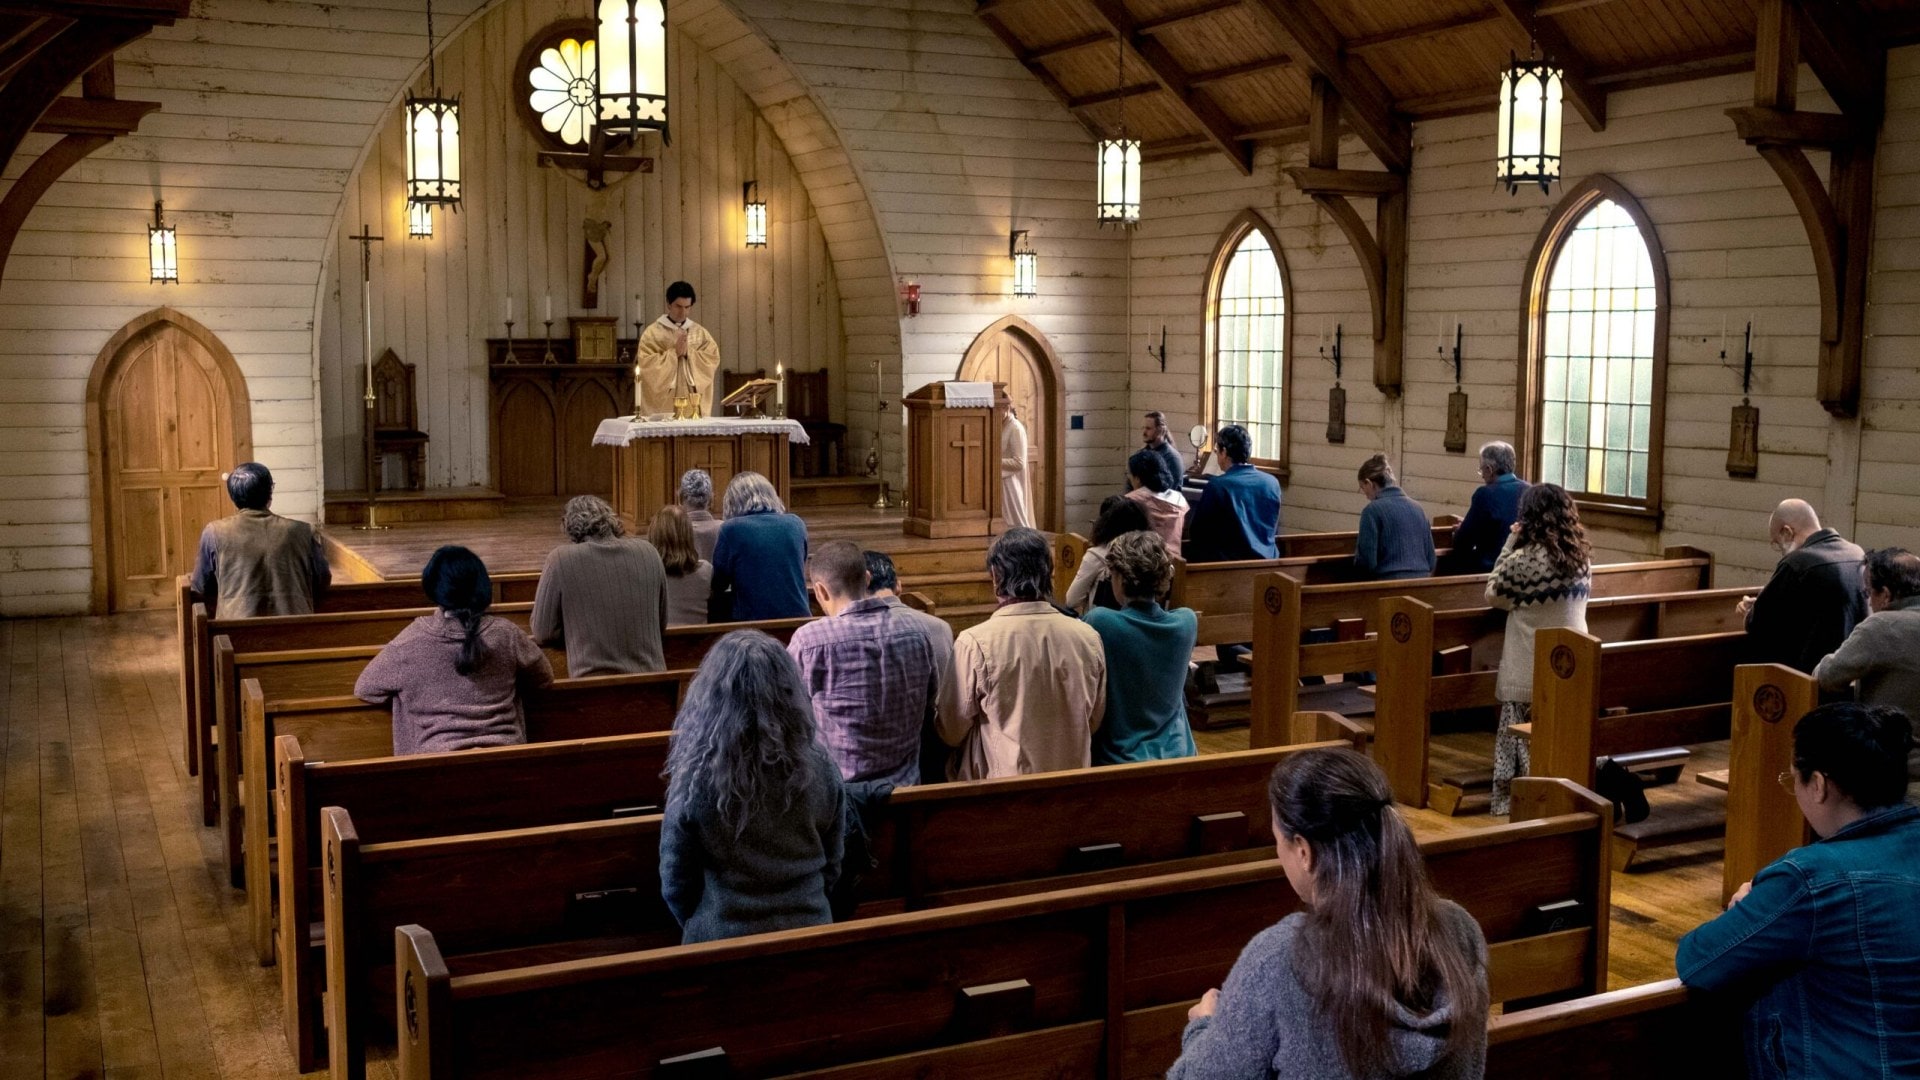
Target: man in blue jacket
x: 1490, y: 515
x: 1239, y: 513
x: 1823, y: 938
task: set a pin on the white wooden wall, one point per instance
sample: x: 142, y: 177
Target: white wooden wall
x: 436, y: 300
x: 1734, y: 247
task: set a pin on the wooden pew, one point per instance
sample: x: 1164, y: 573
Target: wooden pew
x: 291, y: 674
x: 1288, y: 608
x: 1592, y: 699
x: 1038, y: 985
x: 348, y: 729
x: 936, y: 846
x: 425, y: 795
x: 1442, y: 661
x: 1659, y: 1031
x: 1763, y: 819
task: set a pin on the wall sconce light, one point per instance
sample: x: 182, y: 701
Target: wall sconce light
x: 163, y: 250
x: 910, y: 295
x: 419, y: 220
x: 1026, y: 264
x: 756, y: 208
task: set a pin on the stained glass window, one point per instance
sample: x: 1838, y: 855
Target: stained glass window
x: 562, y: 92
x: 1249, y: 360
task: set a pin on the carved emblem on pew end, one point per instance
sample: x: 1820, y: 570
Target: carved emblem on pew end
x: 413, y: 1013
x: 1066, y: 556
x: 1272, y: 600
x: 1770, y: 703
x: 1562, y: 661
x: 333, y: 881
x: 1402, y: 627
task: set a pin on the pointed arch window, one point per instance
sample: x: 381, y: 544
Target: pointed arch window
x: 1594, y: 388
x: 1246, y: 377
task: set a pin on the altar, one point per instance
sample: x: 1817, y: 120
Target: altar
x: 650, y: 456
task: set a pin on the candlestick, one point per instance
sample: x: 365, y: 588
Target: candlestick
x: 510, y: 358
x: 548, y: 357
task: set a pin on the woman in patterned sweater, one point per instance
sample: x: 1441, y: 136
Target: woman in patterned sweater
x: 1541, y: 579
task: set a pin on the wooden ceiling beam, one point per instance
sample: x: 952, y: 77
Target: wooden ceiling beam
x: 1101, y: 97
x: 1042, y: 52
x: 1274, y: 63
x: 1198, y: 109
x: 93, y: 116
x: 1838, y: 44
x: 30, y: 39
x: 1034, y: 68
x: 1421, y: 32
x: 1174, y: 18
x: 1526, y: 28
x: 1699, y: 65
x: 1311, y: 37
x: 1565, y: 7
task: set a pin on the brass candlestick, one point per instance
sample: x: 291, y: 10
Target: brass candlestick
x: 509, y: 358
x: 548, y: 357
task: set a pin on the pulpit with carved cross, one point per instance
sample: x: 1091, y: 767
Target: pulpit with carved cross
x: 953, y: 464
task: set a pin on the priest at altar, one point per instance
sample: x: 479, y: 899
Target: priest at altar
x: 674, y: 347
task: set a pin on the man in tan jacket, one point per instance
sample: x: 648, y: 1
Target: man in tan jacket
x: 257, y: 562
x: 1030, y: 683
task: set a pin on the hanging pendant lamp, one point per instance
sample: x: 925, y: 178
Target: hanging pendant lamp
x: 433, y: 141
x: 1117, y: 168
x: 631, y: 76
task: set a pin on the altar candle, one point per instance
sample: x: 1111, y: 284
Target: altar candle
x: 1723, y: 334
x: 509, y: 307
x: 780, y: 385
x: 549, y: 307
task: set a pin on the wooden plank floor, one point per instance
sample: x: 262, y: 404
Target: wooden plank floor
x: 125, y: 955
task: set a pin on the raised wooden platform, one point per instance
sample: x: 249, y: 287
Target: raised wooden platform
x: 523, y: 530
x: 433, y: 504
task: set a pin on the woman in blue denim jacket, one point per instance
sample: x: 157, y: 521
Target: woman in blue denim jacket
x: 1826, y: 939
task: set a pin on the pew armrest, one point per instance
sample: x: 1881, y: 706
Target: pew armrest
x: 421, y: 993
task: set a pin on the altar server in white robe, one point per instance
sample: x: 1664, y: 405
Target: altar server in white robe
x: 668, y: 343
x: 1015, y: 498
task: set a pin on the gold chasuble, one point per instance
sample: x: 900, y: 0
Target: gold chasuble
x: 657, y: 361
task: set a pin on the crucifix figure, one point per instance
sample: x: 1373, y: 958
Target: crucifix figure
x: 595, y: 259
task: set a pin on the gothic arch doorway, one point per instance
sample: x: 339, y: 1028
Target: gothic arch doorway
x: 167, y: 414
x: 1013, y: 351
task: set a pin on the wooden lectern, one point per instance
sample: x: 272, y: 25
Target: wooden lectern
x: 953, y: 465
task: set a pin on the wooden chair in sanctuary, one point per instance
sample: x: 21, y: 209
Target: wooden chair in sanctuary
x: 396, y: 422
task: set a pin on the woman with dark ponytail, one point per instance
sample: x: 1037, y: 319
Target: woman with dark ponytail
x: 454, y: 677
x: 1377, y: 976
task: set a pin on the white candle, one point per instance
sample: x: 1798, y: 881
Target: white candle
x: 780, y: 384
x: 549, y: 307
x: 1723, y: 334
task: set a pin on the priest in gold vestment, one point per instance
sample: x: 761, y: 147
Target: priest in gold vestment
x: 674, y: 347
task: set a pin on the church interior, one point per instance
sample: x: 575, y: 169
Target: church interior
x: 927, y: 266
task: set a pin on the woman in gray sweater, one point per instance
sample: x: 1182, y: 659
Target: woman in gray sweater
x: 1376, y: 978
x: 752, y: 836
x: 1542, y: 578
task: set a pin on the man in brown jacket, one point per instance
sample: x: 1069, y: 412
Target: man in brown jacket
x: 1030, y: 683
x: 257, y: 562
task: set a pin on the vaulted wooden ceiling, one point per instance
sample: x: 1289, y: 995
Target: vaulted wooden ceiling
x: 1223, y: 75
x: 45, y: 47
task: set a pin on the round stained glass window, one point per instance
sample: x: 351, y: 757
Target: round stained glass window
x: 561, y: 91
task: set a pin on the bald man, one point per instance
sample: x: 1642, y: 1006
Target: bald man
x: 1815, y: 596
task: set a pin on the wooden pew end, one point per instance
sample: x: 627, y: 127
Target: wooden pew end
x: 422, y: 990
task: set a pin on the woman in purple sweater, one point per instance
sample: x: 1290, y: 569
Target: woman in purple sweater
x: 454, y: 677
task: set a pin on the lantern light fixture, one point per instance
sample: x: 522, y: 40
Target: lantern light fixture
x: 433, y: 140
x: 1026, y: 263
x: 630, y: 75
x: 1119, y: 182
x: 419, y: 220
x: 910, y: 297
x: 1528, y: 142
x: 163, y: 250
x: 756, y: 209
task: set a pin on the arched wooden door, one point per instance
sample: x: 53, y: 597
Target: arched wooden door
x: 1014, y: 352
x: 167, y: 414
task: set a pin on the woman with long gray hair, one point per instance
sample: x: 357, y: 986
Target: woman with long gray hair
x: 760, y: 560
x: 752, y: 838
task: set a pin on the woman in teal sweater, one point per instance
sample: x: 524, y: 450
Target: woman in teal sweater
x: 1148, y: 649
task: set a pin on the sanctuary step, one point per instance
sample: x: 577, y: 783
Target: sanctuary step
x: 835, y: 491
x: 432, y: 504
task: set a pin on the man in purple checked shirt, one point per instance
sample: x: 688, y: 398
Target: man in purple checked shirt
x: 872, y: 673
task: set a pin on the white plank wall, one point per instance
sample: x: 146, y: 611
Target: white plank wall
x: 1734, y: 247
x: 519, y: 233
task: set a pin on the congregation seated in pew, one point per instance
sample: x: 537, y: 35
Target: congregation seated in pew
x: 752, y: 835
x: 883, y: 583
x: 1491, y: 511
x: 1821, y: 941
x: 1378, y: 977
x: 1238, y: 515
x: 696, y: 498
x: 1030, y: 683
x: 1396, y: 539
x: 454, y: 677
x: 872, y: 672
x: 603, y: 596
x: 759, y: 560
x: 1148, y: 649
x: 1543, y: 578
x: 1157, y: 491
x: 689, y: 576
x: 256, y: 562
x: 1090, y: 587
x: 1882, y: 654
x: 1814, y: 598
